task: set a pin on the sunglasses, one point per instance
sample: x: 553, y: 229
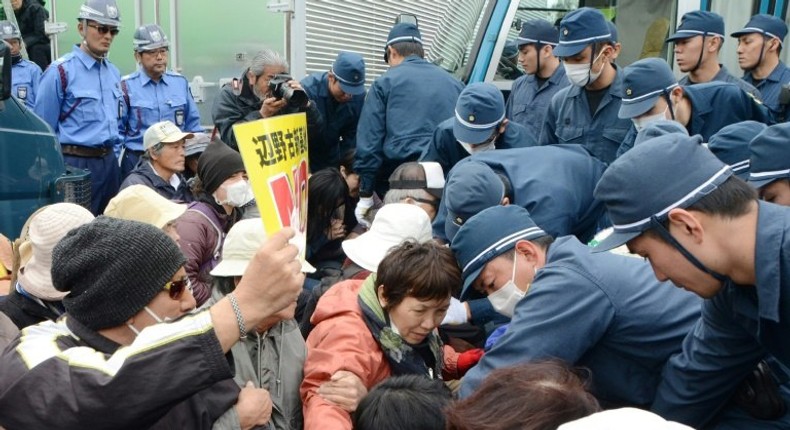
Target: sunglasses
x: 103, y: 29
x: 176, y: 288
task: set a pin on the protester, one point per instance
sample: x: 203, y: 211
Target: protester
x: 623, y: 419
x: 327, y: 193
x: 403, y: 402
x: 31, y: 17
x: 417, y: 183
x: 141, y: 203
x: 192, y: 149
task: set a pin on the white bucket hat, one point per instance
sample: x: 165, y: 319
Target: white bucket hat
x: 241, y: 244
x: 45, y: 230
x: 622, y: 419
x: 394, y: 223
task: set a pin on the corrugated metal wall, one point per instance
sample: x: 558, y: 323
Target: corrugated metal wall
x: 362, y: 26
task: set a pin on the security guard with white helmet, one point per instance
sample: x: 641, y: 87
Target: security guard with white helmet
x: 24, y: 74
x: 80, y: 97
x: 153, y: 94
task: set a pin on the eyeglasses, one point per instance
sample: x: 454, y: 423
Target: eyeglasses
x: 157, y: 52
x: 103, y: 29
x: 176, y: 288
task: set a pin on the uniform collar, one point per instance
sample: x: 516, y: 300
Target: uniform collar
x: 721, y: 75
x: 614, y: 90
x: 776, y: 74
x: 700, y: 106
x: 323, y: 86
x: 772, y: 225
x: 86, y: 59
x: 146, y: 79
x: 558, y: 75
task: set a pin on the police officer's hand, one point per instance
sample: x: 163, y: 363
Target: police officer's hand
x: 271, y: 105
x: 254, y: 406
x: 364, y: 205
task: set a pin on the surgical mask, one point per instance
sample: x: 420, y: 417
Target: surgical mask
x: 482, y: 147
x: 238, y: 194
x: 641, y: 123
x: 504, y: 300
x: 581, y: 74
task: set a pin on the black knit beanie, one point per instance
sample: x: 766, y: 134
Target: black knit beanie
x: 112, y: 269
x: 216, y: 164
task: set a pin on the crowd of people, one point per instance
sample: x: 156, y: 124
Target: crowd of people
x: 471, y: 260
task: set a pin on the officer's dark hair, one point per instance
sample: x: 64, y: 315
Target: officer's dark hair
x: 403, y: 402
x: 732, y: 199
x: 529, y: 396
x: 404, y: 49
x: 425, y: 271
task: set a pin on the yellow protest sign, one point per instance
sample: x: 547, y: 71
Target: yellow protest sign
x: 274, y: 151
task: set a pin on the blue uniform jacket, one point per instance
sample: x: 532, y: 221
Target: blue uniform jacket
x: 87, y: 113
x: 147, y: 102
x: 724, y: 75
x: 770, y: 87
x: 707, y: 114
x: 528, y: 104
x: 401, y: 111
x: 445, y: 149
x: 24, y: 81
x: 568, y: 120
x: 340, y: 119
x: 144, y: 174
x: 554, y: 183
x: 606, y: 312
x: 739, y: 326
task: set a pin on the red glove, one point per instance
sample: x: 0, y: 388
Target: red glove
x: 467, y: 360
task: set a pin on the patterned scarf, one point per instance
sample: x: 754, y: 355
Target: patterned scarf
x: 402, y: 357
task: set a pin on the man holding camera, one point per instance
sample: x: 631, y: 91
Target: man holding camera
x: 266, y: 90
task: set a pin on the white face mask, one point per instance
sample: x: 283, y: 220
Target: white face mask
x: 641, y: 123
x: 504, y: 300
x: 238, y: 194
x: 474, y: 149
x: 154, y: 316
x: 582, y: 75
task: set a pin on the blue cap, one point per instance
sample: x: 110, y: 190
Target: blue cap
x: 770, y: 155
x: 644, y: 82
x: 699, y: 23
x: 731, y: 145
x: 580, y: 28
x: 767, y: 25
x: 349, y: 70
x: 613, y: 30
x: 510, y: 50
x: 478, y: 112
x: 637, y: 186
x: 404, y: 32
x: 538, y: 31
x: 471, y: 187
x: 659, y: 128
x: 488, y: 235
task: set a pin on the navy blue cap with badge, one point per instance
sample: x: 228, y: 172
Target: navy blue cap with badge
x: 539, y: 32
x: 731, y: 145
x: 479, y: 110
x: 471, y: 187
x: 770, y: 155
x: 488, y: 235
x: 699, y: 23
x: 580, y: 28
x: 349, y: 70
x: 402, y: 32
x: 767, y: 25
x: 639, y: 192
x: 645, y: 81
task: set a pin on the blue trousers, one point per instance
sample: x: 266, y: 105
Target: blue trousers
x: 105, y: 178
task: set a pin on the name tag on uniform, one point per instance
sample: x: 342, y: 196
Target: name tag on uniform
x: 120, y: 109
x: 21, y: 92
x: 179, y: 117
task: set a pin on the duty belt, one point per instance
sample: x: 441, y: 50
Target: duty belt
x: 86, y: 151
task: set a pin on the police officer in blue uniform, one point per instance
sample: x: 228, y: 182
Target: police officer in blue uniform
x: 731, y: 145
x: 339, y: 95
x: 531, y: 94
x: 759, y: 45
x: 585, y: 112
x: 153, y: 94
x: 706, y: 231
x: 24, y: 74
x: 605, y: 312
x: 401, y: 111
x: 554, y: 183
x: 479, y: 125
x: 651, y: 94
x: 80, y: 97
x: 698, y: 41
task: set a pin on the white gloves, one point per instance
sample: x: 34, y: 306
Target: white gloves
x: 456, y: 313
x: 364, y: 205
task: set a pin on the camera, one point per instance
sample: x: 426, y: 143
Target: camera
x: 278, y: 85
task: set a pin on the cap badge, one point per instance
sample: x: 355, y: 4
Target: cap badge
x: 112, y: 11
x: 471, y: 118
x: 628, y: 91
x: 8, y: 29
x: 565, y: 31
x: 458, y: 221
x: 155, y: 36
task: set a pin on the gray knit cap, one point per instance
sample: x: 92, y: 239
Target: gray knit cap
x: 112, y: 269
